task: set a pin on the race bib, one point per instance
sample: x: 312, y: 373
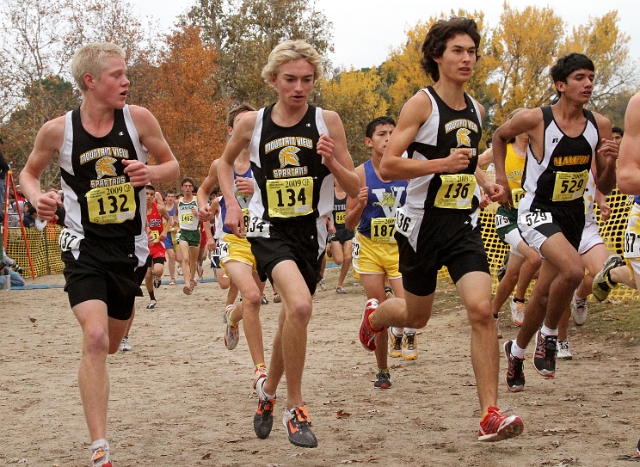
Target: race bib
x: 569, y: 185
x: 155, y: 235
x: 70, y: 239
x: 111, y: 204
x: 501, y: 221
x: 291, y: 197
x: 340, y: 217
x: 223, y: 249
x: 355, y: 248
x: 456, y: 191
x: 245, y: 217
x: 531, y: 220
x: 517, y: 195
x: 632, y: 236
x: 257, y: 227
x: 382, y: 229
x: 404, y: 223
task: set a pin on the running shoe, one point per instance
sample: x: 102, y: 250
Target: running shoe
x: 410, y: 347
x: 383, y: 380
x: 395, y: 345
x: 495, y: 426
x: 602, y: 283
x: 151, y: 305
x: 544, y: 358
x: 388, y: 291
x: 276, y: 297
x: 517, y: 312
x: 157, y: 282
x: 231, y: 331
x: 259, y: 373
x: 100, y: 456
x: 263, y: 418
x: 580, y: 309
x: 563, y: 352
x: 496, y: 320
x: 323, y: 285
x: 340, y: 290
x: 515, y: 376
x: 638, y: 448
x: 187, y: 290
x: 172, y: 281
x: 368, y: 335
x: 297, y: 423
x: 125, y: 346
x: 263, y: 300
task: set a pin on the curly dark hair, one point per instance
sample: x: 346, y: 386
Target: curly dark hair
x: 436, y: 41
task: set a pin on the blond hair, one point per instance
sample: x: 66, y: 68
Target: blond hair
x: 288, y: 51
x: 92, y: 59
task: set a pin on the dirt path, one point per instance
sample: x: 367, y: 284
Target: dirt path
x: 181, y: 399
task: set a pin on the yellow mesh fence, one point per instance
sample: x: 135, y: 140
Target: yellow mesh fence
x: 43, y: 246
x: 45, y: 250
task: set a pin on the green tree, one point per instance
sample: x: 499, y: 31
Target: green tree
x: 355, y: 96
x: 245, y: 31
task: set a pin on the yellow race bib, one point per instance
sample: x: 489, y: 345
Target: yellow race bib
x: 382, y: 229
x: 456, y: 191
x: 111, y: 204
x: 291, y: 197
x: 570, y: 185
x: 340, y: 217
x: 516, y: 195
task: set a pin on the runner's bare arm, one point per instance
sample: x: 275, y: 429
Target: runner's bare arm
x: 629, y: 163
x: 48, y: 143
x: 240, y: 138
x: 355, y: 206
x: 205, y: 190
x: 150, y: 134
x: 606, y: 156
x: 335, y: 155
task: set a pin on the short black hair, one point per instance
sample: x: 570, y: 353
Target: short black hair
x: 617, y: 129
x: 567, y: 64
x: 150, y: 187
x: 376, y: 122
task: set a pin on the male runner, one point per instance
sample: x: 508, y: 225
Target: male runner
x: 189, y: 236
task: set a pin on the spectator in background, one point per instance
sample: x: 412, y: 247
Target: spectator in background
x: 4, y: 168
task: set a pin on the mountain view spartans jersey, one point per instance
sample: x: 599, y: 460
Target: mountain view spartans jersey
x: 291, y: 182
x: 379, y: 215
x: 561, y: 177
x: 243, y: 201
x: 445, y: 131
x: 99, y: 200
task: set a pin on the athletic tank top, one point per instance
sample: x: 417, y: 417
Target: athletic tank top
x: 514, y: 167
x: 186, y: 218
x: 378, y: 217
x: 292, y: 183
x: 99, y: 200
x: 561, y: 177
x: 154, y: 222
x: 444, y: 131
x: 339, y: 212
x: 243, y: 201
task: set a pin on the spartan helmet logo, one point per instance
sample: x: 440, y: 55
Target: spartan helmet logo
x: 288, y: 156
x: 105, y: 167
x: 462, y: 135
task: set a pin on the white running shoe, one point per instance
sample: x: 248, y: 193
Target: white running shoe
x: 580, y: 309
x: 125, y: 346
x: 100, y: 456
x: 517, y: 312
x: 564, y: 350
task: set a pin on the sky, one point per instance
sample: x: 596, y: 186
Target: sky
x: 365, y: 31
